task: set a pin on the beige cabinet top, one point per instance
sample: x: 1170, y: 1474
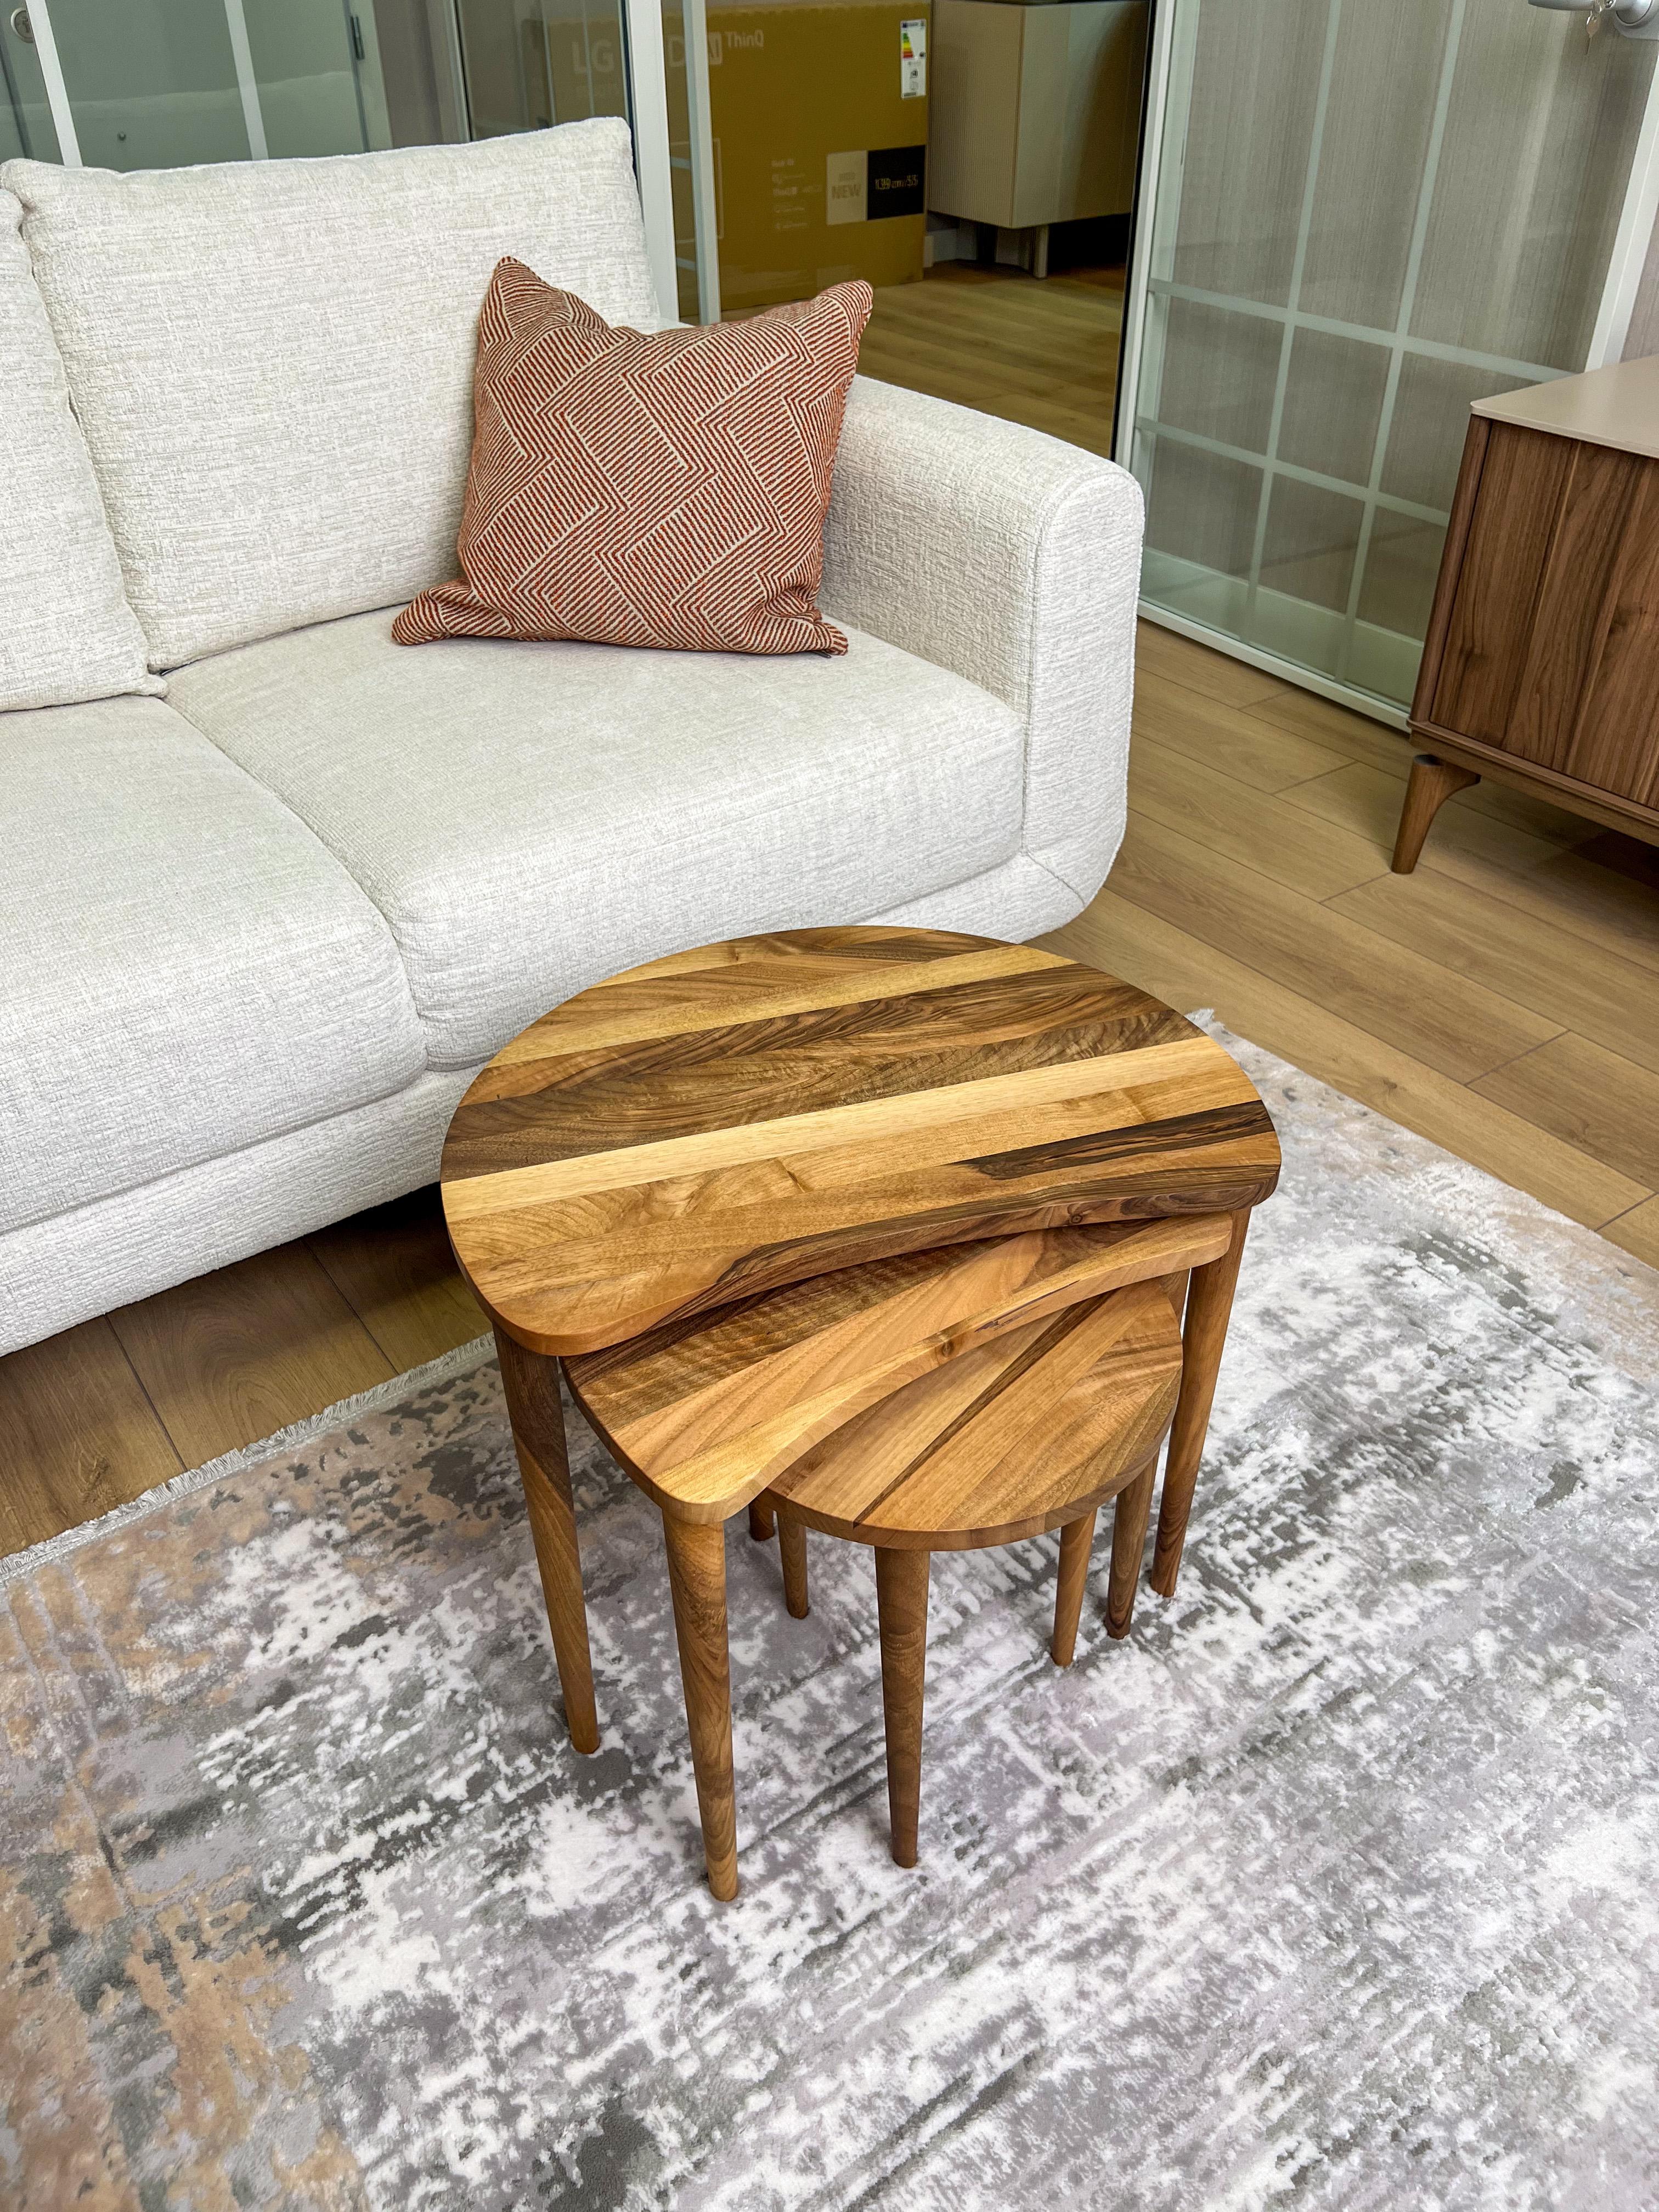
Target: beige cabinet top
x: 1616, y: 407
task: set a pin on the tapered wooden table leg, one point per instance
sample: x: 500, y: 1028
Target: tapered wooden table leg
x: 1129, y: 1520
x: 762, y: 1521
x: 696, y: 1575
x: 1075, y: 1539
x: 792, y: 1545
x: 532, y: 1386
x: 1432, y: 783
x: 902, y: 1603
x: 1209, y: 1303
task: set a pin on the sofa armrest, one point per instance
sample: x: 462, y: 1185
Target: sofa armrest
x: 1015, y: 560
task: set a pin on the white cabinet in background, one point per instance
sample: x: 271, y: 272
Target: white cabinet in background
x: 1036, y: 109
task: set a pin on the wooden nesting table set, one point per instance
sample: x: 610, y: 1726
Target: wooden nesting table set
x: 888, y: 1233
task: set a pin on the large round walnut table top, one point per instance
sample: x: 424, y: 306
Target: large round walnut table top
x: 761, y: 1111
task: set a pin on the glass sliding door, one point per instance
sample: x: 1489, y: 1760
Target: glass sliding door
x: 154, y: 84
x: 147, y: 84
x: 26, y: 126
x: 1365, y: 217
x: 532, y: 63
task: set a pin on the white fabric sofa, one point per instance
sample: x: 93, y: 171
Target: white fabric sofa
x: 273, y: 887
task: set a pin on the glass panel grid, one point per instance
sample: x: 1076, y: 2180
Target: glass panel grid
x: 1330, y: 516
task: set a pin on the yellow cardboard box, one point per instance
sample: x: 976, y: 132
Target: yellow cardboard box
x: 820, y: 131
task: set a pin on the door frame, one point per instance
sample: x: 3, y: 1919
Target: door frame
x: 646, y: 71
x: 51, y: 69
x: 1170, y: 53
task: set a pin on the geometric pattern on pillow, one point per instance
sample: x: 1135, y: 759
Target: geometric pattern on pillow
x: 666, y: 489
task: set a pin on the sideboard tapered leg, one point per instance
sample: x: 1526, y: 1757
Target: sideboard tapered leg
x: 1432, y: 783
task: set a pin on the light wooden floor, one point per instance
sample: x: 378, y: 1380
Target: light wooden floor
x: 1044, y: 353
x: 1504, y: 1001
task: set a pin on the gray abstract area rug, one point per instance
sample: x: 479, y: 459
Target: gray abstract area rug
x: 1333, y: 1886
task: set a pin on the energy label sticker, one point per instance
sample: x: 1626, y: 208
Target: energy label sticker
x: 912, y: 59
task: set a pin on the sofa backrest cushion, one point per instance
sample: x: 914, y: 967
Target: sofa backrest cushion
x: 272, y: 360
x: 66, y: 631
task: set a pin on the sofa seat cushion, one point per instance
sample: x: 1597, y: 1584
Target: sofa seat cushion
x: 184, y: 969
x: 272, y: 360
x: 532, y: 818
x: 66, y: 631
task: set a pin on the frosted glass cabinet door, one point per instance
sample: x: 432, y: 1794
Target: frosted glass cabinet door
x: 1365, y: 216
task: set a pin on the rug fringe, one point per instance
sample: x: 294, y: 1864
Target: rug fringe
x: 445, y: 1369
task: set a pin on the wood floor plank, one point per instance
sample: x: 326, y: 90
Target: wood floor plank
x: 1207, y: 729
x: 1393, y: 751
x: 1613, y: 1002
x: 236, y: 1355
x: 1030, y: 347
x: 1593, y: 902
x: 1234, y: 683
x: 394, y: 1267
x: 81, y: 1435
x: 937, y: 352
x: 1366, y: 801
x: 1228, y: 817
x: 1459, y: 1028
x: 1321, y: 721
x: 1115, y: 934
x: 1043, y: 353
x: 1637, y: 1231
x: 1591, y: 1099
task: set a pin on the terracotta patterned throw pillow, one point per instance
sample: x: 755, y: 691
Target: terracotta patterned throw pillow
x: 662, y: 489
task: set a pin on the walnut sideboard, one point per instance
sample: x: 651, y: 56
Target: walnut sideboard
x: 1541, y: 662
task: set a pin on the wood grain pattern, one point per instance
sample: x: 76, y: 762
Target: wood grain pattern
x: 792, y: 1551
x: 1026, y: 1427
x: 1470, y: 837
x: 233, y: 1356
x: 1228, y: 739
x: 1490, y: 626
x: 697, y: 1578
x: 1549, y: 611
x: 1134, y: 1510
x: 393, y: 1266
x: 1043, y: 353
x: 1433, y: 781
x: 1469, y: 473
x: 1075, y: 1540
x: 1590, y: 1097
x: 1252, y: 828
x: 1012, y: 1438
x: 901, y: 1605
x: 754, y: 1114
x: 1577, y: 582
x: 81, y: 1435
x: 1611, y: 1002
x: 1342, y: 1049
x: 1630, y: 817
x: 530, y: 1386
x: 707, y: 1413
x: 1209, y: 1304
x: 1613, y: 744
x: 1305, y: 944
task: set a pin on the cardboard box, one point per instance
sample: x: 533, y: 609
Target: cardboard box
x: 820, y: 131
